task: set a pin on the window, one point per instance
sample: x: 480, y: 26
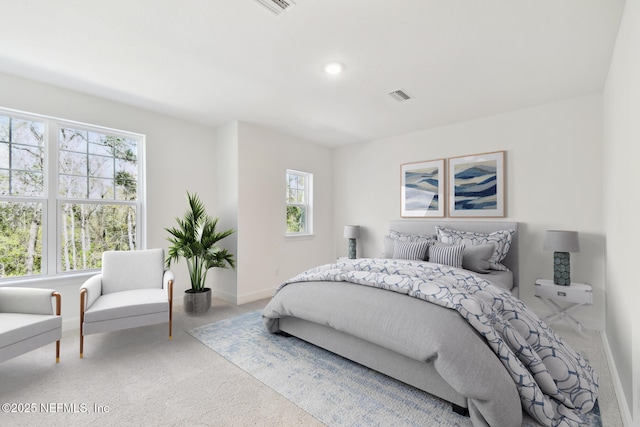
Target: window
x: 22, y: 174
x: 68, y: 192
x: 299, y: 206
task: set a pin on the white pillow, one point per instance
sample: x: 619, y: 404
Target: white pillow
x: 405, y: 237
x: 501, y: 239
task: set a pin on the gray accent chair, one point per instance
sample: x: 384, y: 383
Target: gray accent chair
x: 28, y: 320
x: 133, y: 290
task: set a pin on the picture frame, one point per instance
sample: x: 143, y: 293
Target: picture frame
x: 477, y: 185
x: 423, y: 189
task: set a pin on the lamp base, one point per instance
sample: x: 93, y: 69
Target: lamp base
x: 352, y: 248
x: 561, y: 268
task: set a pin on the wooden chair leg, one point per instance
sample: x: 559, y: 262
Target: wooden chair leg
x: 83, y: 293
x: 58, y: 298
x: 170, y: 310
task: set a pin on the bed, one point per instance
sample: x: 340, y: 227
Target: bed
x: 389, y: 327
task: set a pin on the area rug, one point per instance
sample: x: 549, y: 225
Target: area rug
x: 332, y: 389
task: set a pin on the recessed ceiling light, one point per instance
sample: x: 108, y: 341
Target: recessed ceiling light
x: 333, y: 68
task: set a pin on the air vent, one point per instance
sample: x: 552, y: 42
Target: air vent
x: 277, y: 6
x: 400, y: 95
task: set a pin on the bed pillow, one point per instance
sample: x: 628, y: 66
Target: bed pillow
x: 476, y: 257
x: 388, y: 247
x: 446, y: 254
x: 394, y: 236
x: 406, y: 237
x: 410, y: 250
x: 501, y: 239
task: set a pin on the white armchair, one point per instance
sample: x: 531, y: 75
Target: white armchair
x: 132, y: 290
x: 28, y: 320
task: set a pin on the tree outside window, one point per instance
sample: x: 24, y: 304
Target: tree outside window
x: 97, y: 175
x: 22, y: 199
x: 298, y: 198
x: 93, y: 203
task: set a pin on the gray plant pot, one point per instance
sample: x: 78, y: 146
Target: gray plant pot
x: 197, y: 302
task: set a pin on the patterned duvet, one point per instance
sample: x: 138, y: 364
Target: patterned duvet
x: 554, y: 382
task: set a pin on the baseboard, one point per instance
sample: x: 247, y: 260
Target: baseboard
x: 255, y: 296
x: 244, y: 298
x: 224, y: 296
x: 70, y: 324
x: 625, y: 411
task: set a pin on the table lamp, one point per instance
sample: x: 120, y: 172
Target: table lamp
x: 352, y: 232
x: 561, y: 243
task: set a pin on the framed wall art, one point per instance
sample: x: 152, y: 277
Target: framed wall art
x: 422, y: 189
x: 477, y: 185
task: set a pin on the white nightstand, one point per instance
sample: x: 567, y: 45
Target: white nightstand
x: 577, y: 295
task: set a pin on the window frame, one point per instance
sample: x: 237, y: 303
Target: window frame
x: 307, y: 205
x: 52, y: 201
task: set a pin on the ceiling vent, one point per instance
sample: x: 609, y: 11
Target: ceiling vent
x: 400, y: 95
x: 277, y: 6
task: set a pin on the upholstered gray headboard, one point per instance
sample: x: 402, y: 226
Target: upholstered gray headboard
x: 426, y: 227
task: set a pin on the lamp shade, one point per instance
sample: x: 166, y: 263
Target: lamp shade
x: 561, y: 241
x: 351, y: 231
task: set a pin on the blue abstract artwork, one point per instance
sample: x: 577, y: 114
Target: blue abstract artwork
x: 476, y: 185
x: 423, y: 189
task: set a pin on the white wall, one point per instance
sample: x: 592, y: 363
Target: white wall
x: 224, y: 282
x: 256, y: 161
x: 622, y: 177
x: 267, y: 257
x: 554, y: 181
x: 179, y: 156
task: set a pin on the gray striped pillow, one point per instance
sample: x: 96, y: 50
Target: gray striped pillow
x: 447, y: 254
x: 410, y: 250
x: 393, y: 235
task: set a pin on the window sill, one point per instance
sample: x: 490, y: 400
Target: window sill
x: 49, y: 281
x: 299, y: 236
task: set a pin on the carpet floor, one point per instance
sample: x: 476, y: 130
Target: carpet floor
x: 139, y: 377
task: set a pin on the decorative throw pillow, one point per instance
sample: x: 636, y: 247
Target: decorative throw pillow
x: 501, y: 239
x: 389, y: 244
x: 476, y: 257
x: 394, y: 236
x: 405, y: 237
x: 446, y: 254
x: 410, y: 250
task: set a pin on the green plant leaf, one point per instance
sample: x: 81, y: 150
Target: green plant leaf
x: 195, y: 239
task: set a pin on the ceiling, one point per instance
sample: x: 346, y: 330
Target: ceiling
x: 213, y: 61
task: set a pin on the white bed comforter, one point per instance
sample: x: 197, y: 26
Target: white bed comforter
x: 555, y: 383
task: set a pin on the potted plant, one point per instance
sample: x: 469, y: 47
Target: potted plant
x: 195, y: 239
